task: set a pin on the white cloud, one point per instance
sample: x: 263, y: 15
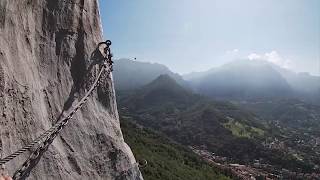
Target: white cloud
x: 234, y: 51
x: 254, y: 56
x: 273, y: 57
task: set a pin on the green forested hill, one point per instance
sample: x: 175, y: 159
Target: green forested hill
x: 166, y: 159
x: 290, y: 113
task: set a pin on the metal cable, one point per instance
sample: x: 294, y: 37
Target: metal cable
x: 35, y: 156
x: 49, y: 131
x: 48, y: 136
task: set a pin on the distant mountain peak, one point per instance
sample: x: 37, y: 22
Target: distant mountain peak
x: 164, y: 81
x: 164, y: 89
x: 132, y: 74
x: 242, y: 79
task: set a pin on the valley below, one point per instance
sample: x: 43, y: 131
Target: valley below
x: 274, y: 137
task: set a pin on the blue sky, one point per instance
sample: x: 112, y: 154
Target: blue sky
x: 189, y: 35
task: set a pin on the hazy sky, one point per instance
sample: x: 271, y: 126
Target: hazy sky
x: 195, y: 35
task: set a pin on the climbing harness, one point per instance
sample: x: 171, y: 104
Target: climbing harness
x: 41, y: 144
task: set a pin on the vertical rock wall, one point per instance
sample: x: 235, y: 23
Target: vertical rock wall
x: 45, y: 47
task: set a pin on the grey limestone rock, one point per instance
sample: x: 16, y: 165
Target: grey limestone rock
x: 45, y: 48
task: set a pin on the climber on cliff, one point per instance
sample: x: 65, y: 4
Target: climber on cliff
x: 101, y: 54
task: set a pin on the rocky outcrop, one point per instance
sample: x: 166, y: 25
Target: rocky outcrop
x: 45, y: 48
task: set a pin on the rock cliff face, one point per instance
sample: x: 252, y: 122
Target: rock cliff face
x: 45, y: 48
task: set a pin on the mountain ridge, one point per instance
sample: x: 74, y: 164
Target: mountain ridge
x: 130, y: 74
x: 240, y: 79
x: 293, y: 84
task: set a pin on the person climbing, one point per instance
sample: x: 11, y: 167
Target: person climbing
x: 101, y: 53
